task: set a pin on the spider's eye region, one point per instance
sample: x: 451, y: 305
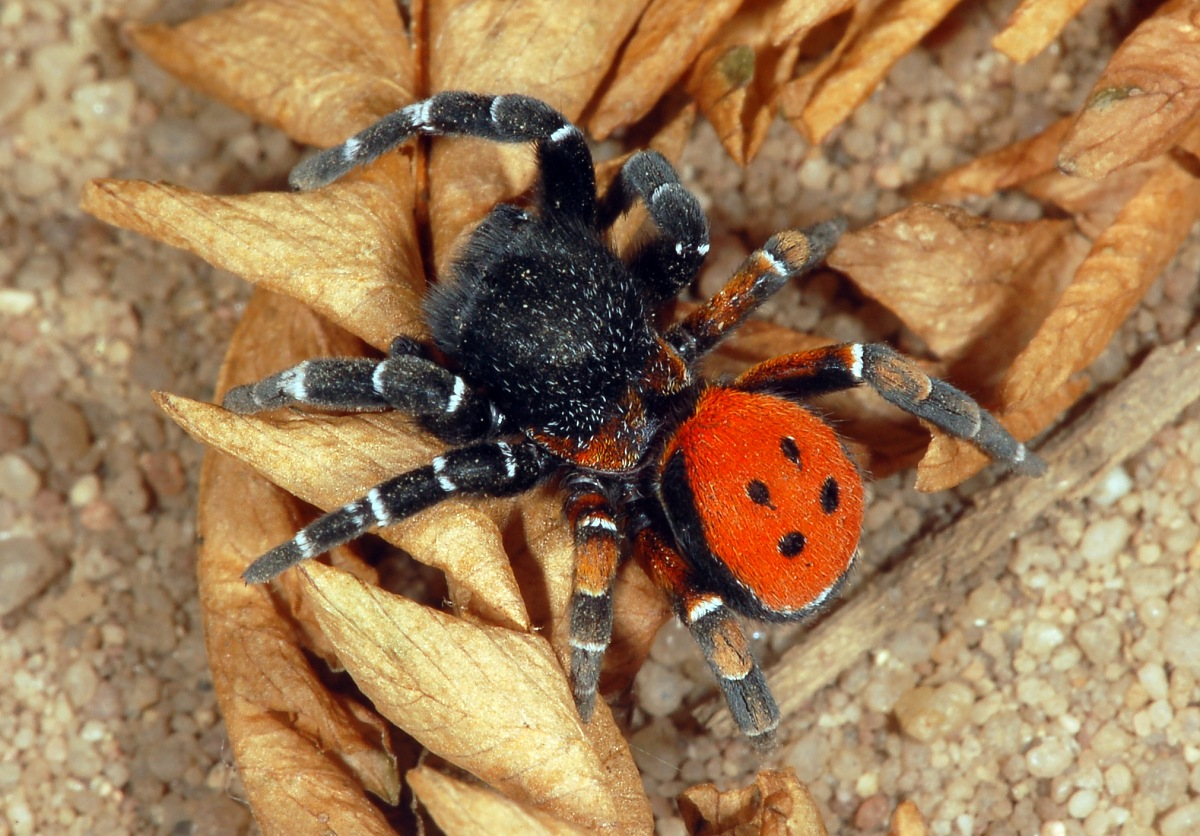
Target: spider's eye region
x: 791, y: 544
x: 759, y: 493
x: 791, y: 452
x: 830, y: 495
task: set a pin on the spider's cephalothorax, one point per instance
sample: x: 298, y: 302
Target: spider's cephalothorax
x: 737, y: 498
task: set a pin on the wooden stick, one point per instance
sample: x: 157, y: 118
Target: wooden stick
x: 969, y: 550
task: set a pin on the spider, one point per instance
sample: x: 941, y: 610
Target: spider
x: 547, y: 361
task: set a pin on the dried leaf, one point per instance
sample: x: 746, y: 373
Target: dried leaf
x: 1121, y: 265
x: 735, y: 79
x: 795, y: 94
x: 776, y: 803
x: 907, y: 821
x: 1006, y: 168
x: 894, y: 30
x: 1093, y: 204
x: 348, y: 251
x: 493, y: 701
x: 796, y: 18
x: 666, y: 41
x: 1146, y: 98
x: 972, y: 289
x: 304, y: 754
x: 474, y: 47
x: 1033, y: 26
x: 319, y: 70
x: 462, y: 809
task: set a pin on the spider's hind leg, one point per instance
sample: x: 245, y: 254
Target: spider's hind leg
x: 597, y: 555
x: 898, y: 380
x: 494, y: 468
x: 720, y: 636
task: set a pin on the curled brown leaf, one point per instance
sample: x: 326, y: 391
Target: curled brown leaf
x: 667, y: 39
x: 305, y: 755
x: 493, y: 701
x: 796, y: 18
x: 1123, y: 261
x: 972, y: 289
x: 464, y: 809
x: 1004, y: 168
x: 775, y: 803
x: 1033, y: 25
x: 348, y: 251
x: 736, y: 78
x: 1146, y: 98
x: 317, y: 69
x: 893, y: 30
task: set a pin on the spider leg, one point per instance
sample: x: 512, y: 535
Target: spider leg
x: 784, y: 256
x: 568, y: 181
x: 720, y: 636
x: 494, y: 468
x: 404, y: 380
x: 898, y: 380
x: 669, y: 261
x: 597, y: 555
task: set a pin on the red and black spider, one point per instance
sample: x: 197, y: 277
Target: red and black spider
x: 736, y: 496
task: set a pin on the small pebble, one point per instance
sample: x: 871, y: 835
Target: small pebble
x: 1115, y: 485
x: 63, y: 432
x: 927, y: 714
x: 80, y: 682
x: 1184, y: 820
x: 1049, y: 759
x: 1082, y: 803
x: 1040, y: 638
x: 18, y: 479
x: 1100, y: 640
x: 660, y: 690
x: 1164, y: 782
x: 27, y: 567
x: 1105, y: 539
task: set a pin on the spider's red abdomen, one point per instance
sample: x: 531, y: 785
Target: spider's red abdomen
x: 768, y: 488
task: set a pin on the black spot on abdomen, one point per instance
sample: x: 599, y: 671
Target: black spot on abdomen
x: 830, y: 495
x: 791, y: 544
x: 758, y: 492
x: 790, y: 451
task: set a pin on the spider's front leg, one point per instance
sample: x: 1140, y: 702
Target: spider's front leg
x: 494, y: 468
x: 898, y: 380
x: 405, y: 380
x: 669, y: 261
x: 568, y: 181
x: 720, y: 636
x: 597, y: 556
x: 784, y: 256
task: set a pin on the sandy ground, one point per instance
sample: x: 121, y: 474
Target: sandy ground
x: 1069, y: 685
